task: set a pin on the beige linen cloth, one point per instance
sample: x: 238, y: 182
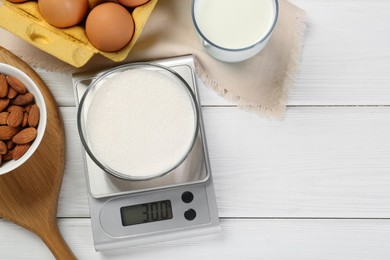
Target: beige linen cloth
x: 260, y: 84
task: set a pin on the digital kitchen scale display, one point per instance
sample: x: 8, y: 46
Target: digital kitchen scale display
x: 177, y: 205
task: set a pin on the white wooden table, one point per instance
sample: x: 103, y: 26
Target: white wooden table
x: 315, y: 185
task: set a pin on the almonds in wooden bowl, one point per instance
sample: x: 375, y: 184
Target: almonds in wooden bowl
x: 22, y: 117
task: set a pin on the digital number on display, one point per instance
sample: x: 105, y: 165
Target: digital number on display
x: 146, y: 213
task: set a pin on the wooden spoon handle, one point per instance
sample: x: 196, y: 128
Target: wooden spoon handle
x: 52, y: 237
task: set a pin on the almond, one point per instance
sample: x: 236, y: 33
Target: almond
x: 3, y: 117
x: 12, y: 93
x: 3, y: 103
x: 20, y: 150
x: 25, y: 119
x: 13, y: 108
x: 3, y: 86
x: 15, y: 116
x: 16, y: 84
x: 25, y: 136
x: 3, y: 148
x: 33, y: 116
x: 7, y: 132
x: 23, y: 99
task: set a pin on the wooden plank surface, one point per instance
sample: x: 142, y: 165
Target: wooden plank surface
x: 314, y: 185
x: 239, y: 239
x: 346, y: 58
x: 318, y: 162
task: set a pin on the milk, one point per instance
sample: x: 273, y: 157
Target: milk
x: 233, y: 24
x: 141, y: 123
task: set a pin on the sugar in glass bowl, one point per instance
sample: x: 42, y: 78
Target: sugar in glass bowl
x: 138, y: 121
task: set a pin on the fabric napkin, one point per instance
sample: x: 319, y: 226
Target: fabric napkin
x: 260, y: 84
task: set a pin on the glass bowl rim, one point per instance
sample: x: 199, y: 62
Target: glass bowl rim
x: 123, y: 68
x: 264, y: 38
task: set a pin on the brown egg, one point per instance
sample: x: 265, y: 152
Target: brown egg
x: 133, y: 3
x: 63, y: 13
x: 109, y: 27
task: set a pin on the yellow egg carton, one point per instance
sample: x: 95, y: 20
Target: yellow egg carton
x: 70, y: 45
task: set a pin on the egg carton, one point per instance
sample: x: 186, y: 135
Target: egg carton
x: 70, y: 45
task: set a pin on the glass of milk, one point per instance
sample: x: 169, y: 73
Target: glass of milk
x: 138, y: 121
x: 233, y: 31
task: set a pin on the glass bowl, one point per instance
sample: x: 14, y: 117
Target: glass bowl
x: 222, y: 26
x: 138, y: 121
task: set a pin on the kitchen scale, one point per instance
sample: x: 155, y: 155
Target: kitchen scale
x: 177, y: 205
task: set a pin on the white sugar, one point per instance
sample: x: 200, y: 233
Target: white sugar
x: 141, y: 122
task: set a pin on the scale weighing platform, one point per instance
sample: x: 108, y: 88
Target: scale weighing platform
x: 180, y: 204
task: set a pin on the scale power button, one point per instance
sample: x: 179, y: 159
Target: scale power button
x: 187, y: 197
x: 190, y: 214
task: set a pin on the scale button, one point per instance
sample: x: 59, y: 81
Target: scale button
x: 190, y: 214
x: 187, y: 197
